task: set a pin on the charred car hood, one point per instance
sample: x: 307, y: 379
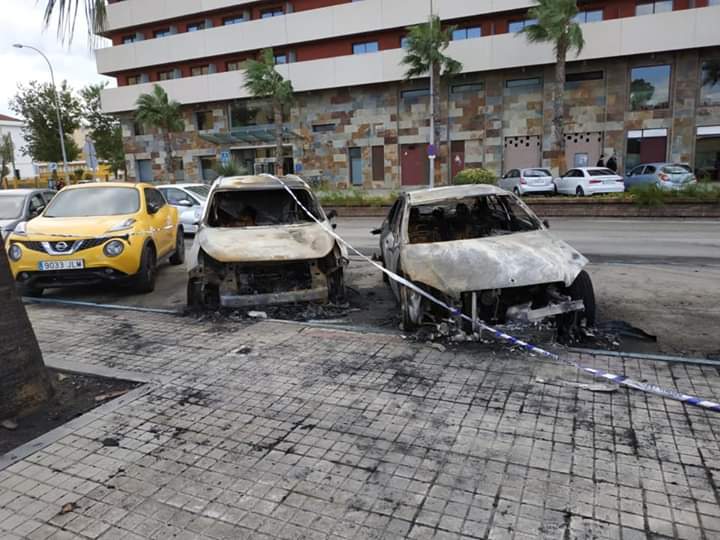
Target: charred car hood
x: 498, y: 262
x: 272, y: 243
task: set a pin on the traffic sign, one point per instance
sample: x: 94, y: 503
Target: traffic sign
x: 298, y: 168
x: 90, y: 153
x: 432, y: 151
x: 52, y: 166
x: 225, y: 156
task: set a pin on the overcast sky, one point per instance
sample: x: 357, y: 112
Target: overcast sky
x: 21, y: 21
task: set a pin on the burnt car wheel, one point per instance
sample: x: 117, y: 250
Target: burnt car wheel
x: 336, y: 286
x: 179, y: 256
x: 581, y: 289
x: 202, y: 297
x: 412, y: 308
x: 145, y: 278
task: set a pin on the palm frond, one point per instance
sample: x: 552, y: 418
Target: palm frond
x: 66, y: 11
x: 426, y: 44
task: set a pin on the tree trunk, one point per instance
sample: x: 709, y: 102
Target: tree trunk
x: 24, y: 381
x: 279, y: 154
x: 558, y: 121
x: 169, y: 164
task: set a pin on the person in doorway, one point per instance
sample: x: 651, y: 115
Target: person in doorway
x: 612, y: 163
x: 601, y: 161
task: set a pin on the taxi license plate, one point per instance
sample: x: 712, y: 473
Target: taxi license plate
x: 61, y: 265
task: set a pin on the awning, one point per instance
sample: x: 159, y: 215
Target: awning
x: 248, y: 136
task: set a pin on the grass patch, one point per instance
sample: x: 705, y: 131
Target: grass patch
x: 355, y: 197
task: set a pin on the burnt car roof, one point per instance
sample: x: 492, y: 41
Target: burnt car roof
x: 261, y: 181
x: 429, y: 196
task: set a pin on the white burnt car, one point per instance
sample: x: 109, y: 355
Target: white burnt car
x: 256, y: 246
x: 482, y: 250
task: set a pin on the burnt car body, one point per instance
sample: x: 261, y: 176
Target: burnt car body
x: 482, y: 250
x: 256, y: 246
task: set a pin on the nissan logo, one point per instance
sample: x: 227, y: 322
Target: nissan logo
x: 61, y: 246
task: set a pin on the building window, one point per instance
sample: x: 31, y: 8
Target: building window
x: 524, y: 83
x: 130, y: 38
x: 378, y: 163
x: 407, y: 95
x: 204, y: 120
x: 466, y: 33
x: 166, y: 75
x: 404, y: 42
x: 658, y: 6
x: 517, y: 26
x: 573, y: 80
x: 194, y: 27
x: 235, y: 19
x: 139, y: 129
x: 710, y: 80
x: 467, y: 88
x: 199, y: 70
x: 323, y: 128
x: 245, y: 113
x: 645, y: 146
x: 281, y: 58
x: 133, y: 79
x: 356, y: 166
x: 367, y: 47
x: 589, y: 16
x: 234, y: 65
x: 161, y: 33
x: 707, y: 153
x: 650, y: 88
x: 272, y: 12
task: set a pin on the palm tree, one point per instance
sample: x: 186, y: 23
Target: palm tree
x: 157, y: 110
x: 24, y: 381
x: 262, y: 80
x: 556, y: 24
x: 7, y: 155
x: 425, y: 55
x: 67, y: 11
x: 711, y: 72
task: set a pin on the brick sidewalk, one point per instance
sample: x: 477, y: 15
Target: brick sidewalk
x: 319, y: 433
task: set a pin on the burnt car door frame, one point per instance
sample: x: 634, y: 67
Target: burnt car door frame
x: 391, y: 239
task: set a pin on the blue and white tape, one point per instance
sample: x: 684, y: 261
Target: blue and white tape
x: 618, y: 379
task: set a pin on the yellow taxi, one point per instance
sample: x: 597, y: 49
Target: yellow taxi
x: 94, y: 233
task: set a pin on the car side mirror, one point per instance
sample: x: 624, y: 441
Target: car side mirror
x: 332, y: 214
x: 375, y: 232
x: 546, y: 223
x: 185, y: 202
x: 152, y: 208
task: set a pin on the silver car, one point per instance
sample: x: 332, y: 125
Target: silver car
x: 189, y: 199
x: 670, y: 176
x: 18, y: 205
x: 522, y: 181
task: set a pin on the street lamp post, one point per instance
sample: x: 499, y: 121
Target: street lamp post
x: 57, y: 108
x: 431, y: 147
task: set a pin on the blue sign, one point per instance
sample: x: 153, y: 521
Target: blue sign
x: 52, y: 167
x: 298, y: 168
x: 432, y: 151
x: 225, y: 156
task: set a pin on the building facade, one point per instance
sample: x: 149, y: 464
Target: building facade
x: 23, y: 162
x: 643, y: 88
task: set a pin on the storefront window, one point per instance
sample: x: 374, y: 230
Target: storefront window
x: 707, y: 153
x: 710, y: 78
x: 650, y: 88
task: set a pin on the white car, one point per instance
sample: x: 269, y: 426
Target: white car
x: 584, y: 181
x: 522, y: 181
x: 189, y: 199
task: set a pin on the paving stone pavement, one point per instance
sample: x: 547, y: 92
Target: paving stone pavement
x: 275, y: 430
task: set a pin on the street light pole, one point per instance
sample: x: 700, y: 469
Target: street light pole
x: 431, y: 148
x: 57, y: 108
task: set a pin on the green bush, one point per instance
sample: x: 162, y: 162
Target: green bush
x: 650, y: 196
x: 79, y: 174
x: 354, y: 197
x: 231, y: 168
x: 653, y: 196
x: 475, y: 176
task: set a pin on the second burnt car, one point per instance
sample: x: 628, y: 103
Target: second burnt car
x: 256, y: 246
x: 481, y: 249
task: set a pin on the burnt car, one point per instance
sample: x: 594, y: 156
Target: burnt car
x: 256, y: 246
x: 482, y: 250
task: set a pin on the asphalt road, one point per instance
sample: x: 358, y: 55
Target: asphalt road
x: 602, y: 240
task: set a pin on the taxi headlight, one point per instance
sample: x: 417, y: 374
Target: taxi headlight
x: 15, y: 253
x: 113, y: 248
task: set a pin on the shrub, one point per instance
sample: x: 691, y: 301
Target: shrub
x: 79, y: 174
x: 475, y: 176
x: 231, y: 168
x: 650, y: 196
x: 354, y: 197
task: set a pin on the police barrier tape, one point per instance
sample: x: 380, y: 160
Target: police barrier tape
x: 618, y: 379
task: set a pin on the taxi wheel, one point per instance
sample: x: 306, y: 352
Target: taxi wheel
x: 179, y: 256
x: 145, y: 278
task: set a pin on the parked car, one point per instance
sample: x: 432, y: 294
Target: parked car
x: 671, y: 176
x: 522, y: 181
x: 91, y: 233
x: 482, y: 250
x: 256, y: 246
x: 584, y: 181
x: 189, y: 199
x: 18, y: 205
